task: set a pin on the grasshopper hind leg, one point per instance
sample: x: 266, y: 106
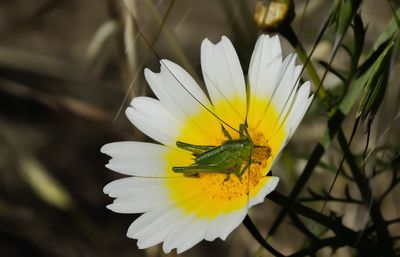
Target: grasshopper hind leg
x: 196, y: 168
x: 196, y: 150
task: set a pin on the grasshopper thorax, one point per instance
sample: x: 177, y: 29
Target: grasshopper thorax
x: 243, y: 146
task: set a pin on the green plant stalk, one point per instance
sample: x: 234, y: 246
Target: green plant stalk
x: 298, y: 208
x: 248, y: 223
x: 344, y: 235
x: 374, y: 211
x: 291, y: 36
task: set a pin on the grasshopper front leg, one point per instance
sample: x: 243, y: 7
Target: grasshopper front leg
x: 240, y: 172
x: 244, y: 133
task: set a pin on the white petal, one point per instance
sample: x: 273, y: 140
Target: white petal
x: 123, y: 186
x: 300, y: 115
x: 223, y: 74
x: 287, y: 90
x: 223, y: 225
x: 157, y: 229
x: 165, y: 212
x: 146, y: 221
x: 156, y: 236
x: 283, y: 89
x: 290, y: 121
x: 136, y: 195
x: 177, y: 90
x: 300, y: 106
x: 137, y: 158
x: 192, y: 235
x: 137, y: 203
x: 189, y: 230
x: 268, y: 188
x: 178, y: 229
x: 264, y: 66
x: 153, y: 119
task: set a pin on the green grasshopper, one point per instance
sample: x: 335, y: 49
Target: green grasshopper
x: 229, y: 157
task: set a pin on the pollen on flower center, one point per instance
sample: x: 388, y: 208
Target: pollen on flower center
x: 227, y: 186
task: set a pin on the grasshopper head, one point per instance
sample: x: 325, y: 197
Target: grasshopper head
x: 261, y: 152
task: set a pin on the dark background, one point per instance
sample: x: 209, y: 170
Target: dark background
x: 66, y: 69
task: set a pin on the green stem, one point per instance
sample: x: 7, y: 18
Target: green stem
x: 291, y: 36
x: 385, y: 239
x: 256, y: 234
x: 343, y: 234
x: 361, y: 181
x: 295, y: 207
x: 331, y: 242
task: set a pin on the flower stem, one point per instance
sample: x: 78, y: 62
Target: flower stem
x: 295, y: 207
x: 256, y: 234
x: 385, y: 239
x: 291, y: 36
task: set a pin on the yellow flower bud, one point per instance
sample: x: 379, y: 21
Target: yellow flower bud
x: 273, y: 15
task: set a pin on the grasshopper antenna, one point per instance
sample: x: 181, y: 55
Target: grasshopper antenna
x: 251, y: 153
x: 318, y: 39
x: 173, y: 75
x: 248, y: 94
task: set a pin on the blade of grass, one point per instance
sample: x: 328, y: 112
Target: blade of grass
x: 171, y: 39
x: 130, y: 88
x: 248, y: 223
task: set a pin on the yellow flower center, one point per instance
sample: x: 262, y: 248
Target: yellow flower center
x: 208, y: 195
x: 226, y: 186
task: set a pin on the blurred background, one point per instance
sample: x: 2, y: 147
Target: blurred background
x: 68, y: 69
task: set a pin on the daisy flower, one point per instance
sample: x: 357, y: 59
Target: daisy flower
x: 180, y: 210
